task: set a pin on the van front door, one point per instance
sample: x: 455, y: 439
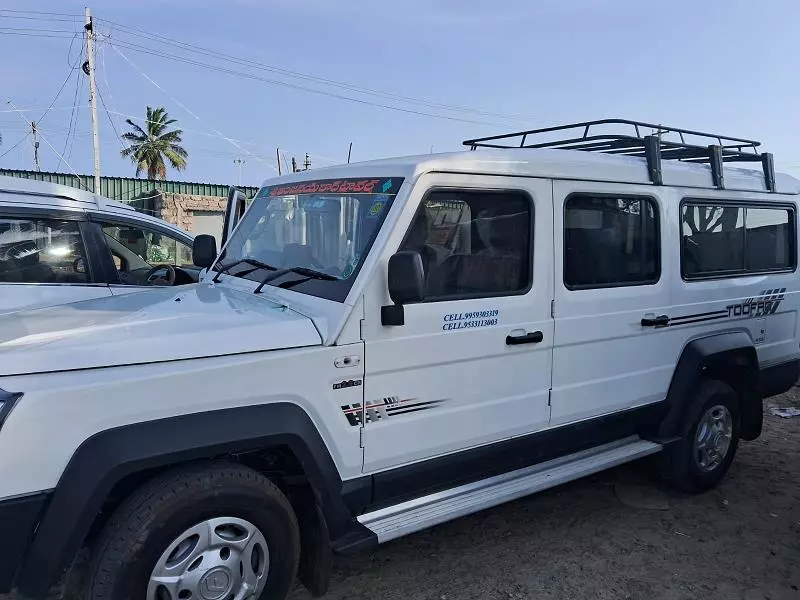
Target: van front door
x: 471, y: 364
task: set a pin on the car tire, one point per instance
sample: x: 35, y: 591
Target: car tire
x: 213, y: 529
x: 710, y: 437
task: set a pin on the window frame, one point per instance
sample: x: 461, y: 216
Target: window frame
x: 41, y: 213
x: 743, y: 204
x: 126, y: 220
x: 479, y: 190
x: 652, y: 199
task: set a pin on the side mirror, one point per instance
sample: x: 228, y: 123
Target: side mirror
x: 406, y: 285
x: 204, y: 250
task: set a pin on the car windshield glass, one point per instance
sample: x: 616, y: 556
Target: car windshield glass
x: 326, y: 226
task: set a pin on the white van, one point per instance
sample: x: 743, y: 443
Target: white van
x: 59, y: 244
x: 385, y: 346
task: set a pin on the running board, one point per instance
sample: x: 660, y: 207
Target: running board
x: 418, y: 514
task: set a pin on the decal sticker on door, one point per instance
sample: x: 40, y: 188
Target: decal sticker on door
x: 764, y: 304
x: 470, y: 320
x: 384, y: 408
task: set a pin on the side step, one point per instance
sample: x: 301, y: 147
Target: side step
x: 420, y: 513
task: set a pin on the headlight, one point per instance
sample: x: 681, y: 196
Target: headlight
x: 7, y: 402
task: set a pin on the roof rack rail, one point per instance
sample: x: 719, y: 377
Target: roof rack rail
x: 632, y: 138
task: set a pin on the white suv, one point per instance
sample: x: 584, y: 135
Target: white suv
x: 382, y: 347
x: 59, y: 244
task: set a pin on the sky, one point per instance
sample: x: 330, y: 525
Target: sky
x: 308, y: 74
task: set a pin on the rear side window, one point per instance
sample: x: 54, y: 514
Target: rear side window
x: 720, y: 240
x: 769, y: 239
x: 41, y: 251
x: 610, y: 241
x: 473, y: 244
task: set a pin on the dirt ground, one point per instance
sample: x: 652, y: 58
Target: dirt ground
x: 739, y: 541
x: 620, y: 534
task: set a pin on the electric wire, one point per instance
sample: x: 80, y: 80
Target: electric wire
x: 140, y: 33
x: 15, y: 146
x: 253, y: 76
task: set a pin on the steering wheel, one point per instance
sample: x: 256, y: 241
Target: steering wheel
x: 168, y: 280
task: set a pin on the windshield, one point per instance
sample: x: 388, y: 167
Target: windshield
x: 327, y: 226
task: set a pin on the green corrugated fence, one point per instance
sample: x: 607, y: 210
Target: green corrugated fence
x: 125, y: 189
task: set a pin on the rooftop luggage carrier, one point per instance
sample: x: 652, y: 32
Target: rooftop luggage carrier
x: 628, y: 140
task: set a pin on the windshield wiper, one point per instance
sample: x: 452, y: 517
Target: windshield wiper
x: 257, y: 264
x: 308, y: 273
x: 313, y: 274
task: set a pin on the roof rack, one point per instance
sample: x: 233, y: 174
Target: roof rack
x: 632, y: 138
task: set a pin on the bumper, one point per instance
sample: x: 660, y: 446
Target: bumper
x: 18, y: 518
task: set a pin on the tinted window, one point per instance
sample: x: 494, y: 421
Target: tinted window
x: 41, y: 251
x: 721, y: 240
x: 713, y: 239
x: 769, y: 239
x: 473, y: 243
x: 610, y: 241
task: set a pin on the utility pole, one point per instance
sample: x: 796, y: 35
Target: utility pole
x: 239, y: 162
x: 306, y: 163
x: 35, y: 132
x: 89, y: 27
x: 278, y: 156
x: 294, y: 165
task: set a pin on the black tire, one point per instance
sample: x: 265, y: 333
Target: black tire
x: 681, y: 467
x: 144, y: 526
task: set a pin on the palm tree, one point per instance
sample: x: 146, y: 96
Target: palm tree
x: 150, y: 146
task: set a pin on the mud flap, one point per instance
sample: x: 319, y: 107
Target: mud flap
x: 752, y: 419
x: 316, y: 557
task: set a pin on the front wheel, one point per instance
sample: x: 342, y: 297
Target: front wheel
x: 220, y: 532
x: 702, y: 457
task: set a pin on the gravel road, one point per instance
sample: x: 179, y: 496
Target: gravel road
x: 619, y: 534
x: 739, y: 541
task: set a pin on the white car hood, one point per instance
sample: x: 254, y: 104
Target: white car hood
x: 195, y: 321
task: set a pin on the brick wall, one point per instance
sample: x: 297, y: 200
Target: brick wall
x: 178, y: 209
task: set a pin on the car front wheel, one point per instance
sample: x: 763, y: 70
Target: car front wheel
x: 219, y: 532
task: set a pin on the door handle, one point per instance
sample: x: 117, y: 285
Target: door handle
x: 659, y: 321
x: 529, y: 338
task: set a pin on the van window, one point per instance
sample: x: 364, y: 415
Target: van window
x: 41, y: 251
x: 769, y: 239
x: 610, y: 241
x: 713, y: 240
x: 727, y: 240
x: 472, y: 243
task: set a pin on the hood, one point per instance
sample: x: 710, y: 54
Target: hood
x: 162, y: 324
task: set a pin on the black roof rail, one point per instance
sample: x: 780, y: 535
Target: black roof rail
x: 640, y: 139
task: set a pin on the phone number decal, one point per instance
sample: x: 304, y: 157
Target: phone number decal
x: 470, y: 320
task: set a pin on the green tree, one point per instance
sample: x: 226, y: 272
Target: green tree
x: 150, y: 148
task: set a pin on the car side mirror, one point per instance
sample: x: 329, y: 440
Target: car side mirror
x: 204, y: 250
x: 406, y: 285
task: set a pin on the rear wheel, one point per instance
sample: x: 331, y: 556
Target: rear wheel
x: 220, y: 532
x: 710, y: 439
